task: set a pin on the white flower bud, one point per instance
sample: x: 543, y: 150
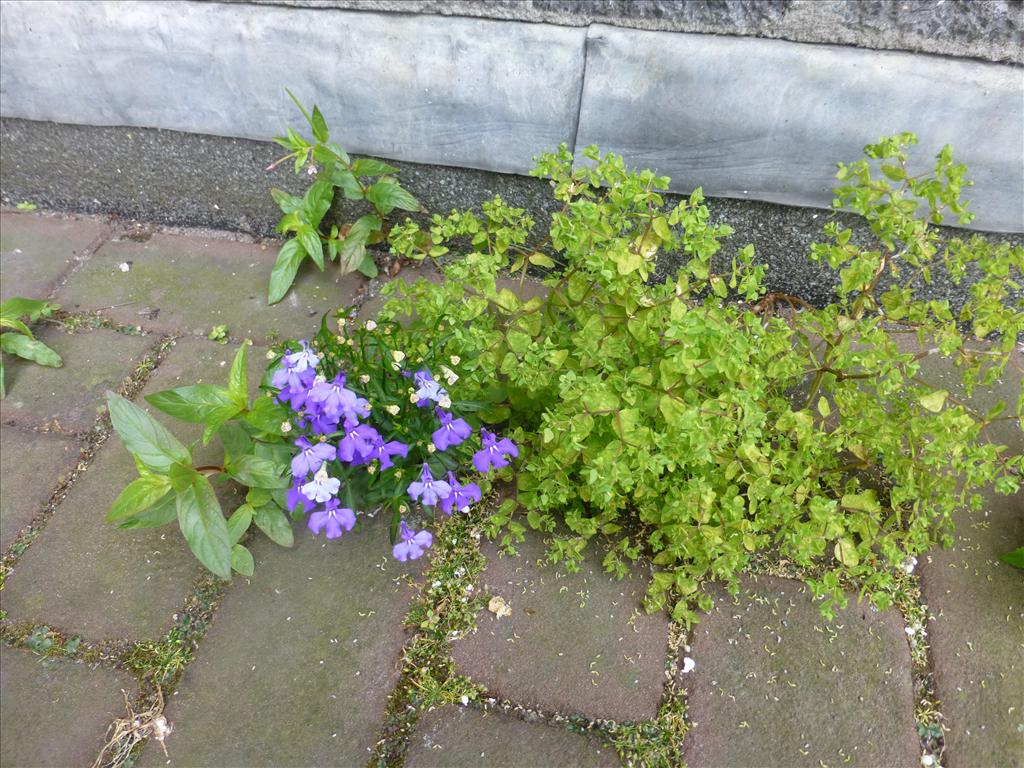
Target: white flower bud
x: 365, y: 378
x: 456, y: 359
x: 445, y: 402
x: 392, y: 409
x: 371, y: 326
x: 431, y: 448
x: 398, y: 355
x: 286, y: 426
x: 271, y: 354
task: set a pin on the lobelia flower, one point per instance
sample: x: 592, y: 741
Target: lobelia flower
x: 461, y: 496
x: 495, y: 452
x: 294, y: 386
x: 322, y: 487
x: 295, y: 497
x: 357, y: 442
x: 452, y: 432
x: 412, y: 543
x: 338, y: 401
x: 428, y: 490
x: 428, y: 390
x: 303, y: 359
x: 333, y: 517
x: 310, y: 457
x: 383, y: 452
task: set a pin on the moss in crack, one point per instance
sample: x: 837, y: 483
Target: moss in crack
x: 445, y: 609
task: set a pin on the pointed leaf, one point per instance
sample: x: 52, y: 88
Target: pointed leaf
x: 283, y: 274
x: 238, y: 387
x: 30, y: 349
x: 138, y: 496
x: 239, y: 523
x: 934, y: 400
x: 241, y: 560
x: 319, y: 125
x: 204, y: 527
x: 272, y: 521
x: 146, y: 438
x: 387, y: 195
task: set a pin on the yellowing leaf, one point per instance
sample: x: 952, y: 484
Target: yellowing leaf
x: 934, y: 401
x: 846, y: 552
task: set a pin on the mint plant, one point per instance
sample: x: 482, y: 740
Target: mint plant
x: 367, y: 179
x: 704, y: 420
x: 17, y: 339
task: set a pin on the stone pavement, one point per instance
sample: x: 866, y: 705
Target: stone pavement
x: 299, y: 661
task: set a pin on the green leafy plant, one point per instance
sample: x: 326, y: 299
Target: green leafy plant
x: 26, y: 206
x: 705, y: 420
x: 17, y: 339
x: 372, y: 181
x: 170, y: 488
x: 218, y: 333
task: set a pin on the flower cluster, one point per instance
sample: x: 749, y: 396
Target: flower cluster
x: 343, y: 453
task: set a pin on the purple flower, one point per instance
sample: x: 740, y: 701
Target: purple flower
x: 428, y: 390
x: 412, y: 544
x: 384, y: 451
x: 461, y: 496
x: 357, y: 442
x: 428, y: 488
x: 310, y: 457
x: 303, y: 359
x: 294, y: 387
x: 337, y: 400
x: 295, y: 498
x: 322, y: 487
x: 334, y: 517
x: 495, y: 452
x: 452, y: 432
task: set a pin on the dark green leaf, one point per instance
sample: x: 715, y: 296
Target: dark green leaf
x: 33, y: 309
x: 145, y: 437
x: 312, y: 245
x: 368, y: 267
x: 353, y: 247
x: 267, y: 415
x: 195, y: 403
x: 286, y: 202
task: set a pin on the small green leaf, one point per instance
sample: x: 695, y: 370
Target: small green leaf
x: 146, y: 438
x: 196, y: 403
x: 1014, y: 558
x: 319, y: 126
x: 238, y: 387
x: 283, y: 274
x: 239, y: 523
x: 272, y: 521
x: 257, y: 473
x: 267, y: 415
x: 17, y: 325
x: 33, y: 309
x: 934, y: 400
x: 368, y: 166
x: 846, y: 552
x: 309, y: 238
x: 368, y: 267
x: 823, y: 407
x: 241, y: 560
x: 286, y: 202
x: 541, y: 260
x: 138, y: 496
x: 387, y: 194
x: 30, y: 349
x: 161, y: 513
x: 353, y: 248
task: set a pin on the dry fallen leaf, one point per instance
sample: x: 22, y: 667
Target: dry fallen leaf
x: 499, y: 607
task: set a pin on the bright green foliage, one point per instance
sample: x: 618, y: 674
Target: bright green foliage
x: 1014, y: 558
x: 169, y: 487
x: 701, y: 418
x: 361, y: 179
x: 16, y: 338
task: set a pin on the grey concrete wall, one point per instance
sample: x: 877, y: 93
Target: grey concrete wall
x: 758, y: 119
x: 983, y: 29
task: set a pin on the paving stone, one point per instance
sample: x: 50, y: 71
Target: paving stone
x: 317, y: 634
x: 32, y: 464
x: 55, y: 712
x: 192, y: 283
x: 455, y: 736
x: 35, y: 251
x: 87, y: 576
x: 575, y: 643
x: 977, y: 604
x: 777, y: 685
x: 72, y: 395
